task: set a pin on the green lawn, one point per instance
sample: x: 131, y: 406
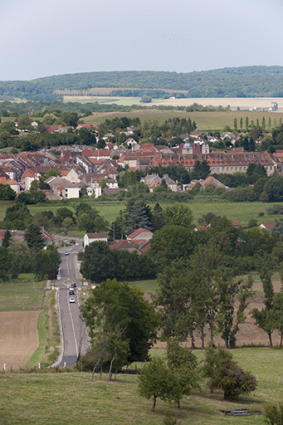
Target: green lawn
x: 71, y: 398
x: 145, y: 285
x: 21, y: 295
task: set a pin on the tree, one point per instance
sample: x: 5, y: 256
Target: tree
x: 7, y: 239
x: 103, y: 183
x: 140, y: 216
x: 173, y: 297
x: 172, y: 243
x: 90, y: 221
x: 117, y: 305
x: 262, y: 316
x: 183, y: 364
x: 6, y: 193
x: 63, y: 213
x: 233, y: 380
x: 34, y: 238
x: 66, y: 224
x: 109, y: 352
x: 228, y: 315
x: 178, y: 214
x: 275, y: 315
x: 158, y: 381
x: 4, y: 263
x: 201, y: 170
x: 158, y: 220
x: 214, y: 358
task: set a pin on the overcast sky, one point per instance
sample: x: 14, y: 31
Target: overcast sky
x: 49, y: 37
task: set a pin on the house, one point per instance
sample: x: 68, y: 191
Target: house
x: 63, y: 188
x: 94, y: 237
x: 12, y: 183
x: 140, y: 234
x: 27, y: 178
x: 267, y: 226
x: 170, y: 183
x: 152, y: 181
x: 122, y: 245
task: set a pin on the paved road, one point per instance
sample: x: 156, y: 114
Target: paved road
x: 74, y: 333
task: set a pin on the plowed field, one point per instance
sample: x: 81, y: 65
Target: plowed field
x: 18, y: 337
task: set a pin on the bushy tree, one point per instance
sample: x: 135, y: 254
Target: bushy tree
x: 158, y: 381
x: 214, y: 358
x: 273, y: 414
x: 114, y: 304
x: 233, y: 381
x: 178, y: 214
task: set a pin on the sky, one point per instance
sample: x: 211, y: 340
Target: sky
x: 50, y: 37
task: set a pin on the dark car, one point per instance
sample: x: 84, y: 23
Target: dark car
x: 71, y: 293
x: 73, y: 285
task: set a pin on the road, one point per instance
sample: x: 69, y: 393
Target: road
x: 73, y: 329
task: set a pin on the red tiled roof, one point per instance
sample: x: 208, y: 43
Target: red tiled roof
x: 137, y: 233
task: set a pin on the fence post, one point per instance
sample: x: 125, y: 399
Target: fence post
x: 20, y: 369
x: 27, y: 369
x: 49, y: 369
x: 11, y: 369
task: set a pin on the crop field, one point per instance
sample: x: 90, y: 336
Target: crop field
x: 205, y: 120
x: 26, y: 327
x: 234, y: 102
x: 45, y: 398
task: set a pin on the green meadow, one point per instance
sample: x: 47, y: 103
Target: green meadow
x: 240, y: 211
x: 71, y: 398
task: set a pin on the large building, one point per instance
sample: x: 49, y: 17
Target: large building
x: 220, y: 162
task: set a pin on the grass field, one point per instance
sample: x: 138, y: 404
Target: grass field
x: 145, y: 285
x: 205, y: 120
x: 241, y: 211
x: 71, y: 398
x: 21, y: 296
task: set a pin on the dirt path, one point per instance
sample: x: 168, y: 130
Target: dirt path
x: 18, y: 337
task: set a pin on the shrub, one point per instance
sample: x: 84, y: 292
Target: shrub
x: 233, y: 380
x: 273, y: 414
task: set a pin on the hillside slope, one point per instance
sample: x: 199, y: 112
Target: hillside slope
x: 252, y: 81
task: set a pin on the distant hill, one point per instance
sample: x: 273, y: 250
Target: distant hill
x: 249, y: 81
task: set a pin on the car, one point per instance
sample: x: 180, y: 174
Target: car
x: 71, y: 293
x: 73, y: 285
x: 72, y: 300
x: 67, y: 253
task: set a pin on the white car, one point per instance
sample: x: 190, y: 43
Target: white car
x: 72, y: 300
x: 67, y: 253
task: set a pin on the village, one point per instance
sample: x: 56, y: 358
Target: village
x: 97, y: 170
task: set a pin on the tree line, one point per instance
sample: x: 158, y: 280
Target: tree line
x: 28, y: 256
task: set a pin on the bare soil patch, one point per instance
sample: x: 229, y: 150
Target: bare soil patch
x: 249, y: 334
x: 18, y: 336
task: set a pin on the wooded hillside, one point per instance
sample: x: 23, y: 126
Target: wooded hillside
x: 251, y: 81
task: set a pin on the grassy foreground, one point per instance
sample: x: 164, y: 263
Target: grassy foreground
x: 71, y: 398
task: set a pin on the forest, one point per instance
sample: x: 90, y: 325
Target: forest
x: 248, y: 81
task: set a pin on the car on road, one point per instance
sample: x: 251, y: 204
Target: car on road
x: 71, y: 293
x: 72, y: 300
x: 73, y: 285
x: 67, y: 253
